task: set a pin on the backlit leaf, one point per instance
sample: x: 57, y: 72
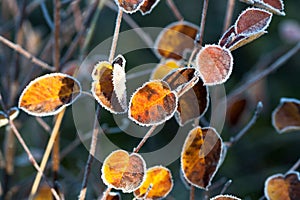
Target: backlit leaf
x: 286, y: 117
x: 215, y: 64
x: 152, y: 104
x: 176, y: 39
x: 49, y: 94
x: 157, y: 185
x: 148, y: 5
x: 201, y: 156
x: 163, y: 68
x: 283, y: 187
x: 123, y: 171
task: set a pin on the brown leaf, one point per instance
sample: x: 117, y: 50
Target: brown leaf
x: 148, y: 6
x: 158, y: 184
x: 49, y: 94
x: 214, y: 64
x: 286, y: 117
x: 283, y: 187
x: 201, y: 156
x: 274, y: 6
x: 123, y: 171
x: 163, y: 68
x: 130, y: 6
x: 176, y: 39
x: 252, y: 21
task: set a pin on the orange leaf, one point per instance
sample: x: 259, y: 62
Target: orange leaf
x: 163, y: 68
x: 225, y: 197
x: 43, y: 193
x: 129, y: 6
x: 252, y: 21
x: 274, y: 6
x: 49, y: 94
x: 148, y: 5
x: 123, y: 171
x: 279, y: 187
x: 109, y: 85
x: 192, y: 104
x: 214, y: 64
x: 12, y: 113
x: 286, y: 117
x: 201, y: 156
x: 152, y: 104
x: 157, y: 185
x: 176, y: 39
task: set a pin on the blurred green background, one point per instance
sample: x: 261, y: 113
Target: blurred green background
x: 259, y: 154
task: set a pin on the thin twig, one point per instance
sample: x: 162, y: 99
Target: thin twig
x: 56, y: 55
x: 295, y: 166
x: 261, y: 75
x: 43, y: 124
x: 192, y: 192
x: 47, y: 152
x: 175, y: 10
x: 26, y: 54
x: 145, y: 138
x: 46, y: 15
x: 91, y: 156
x: 229, y: 12
x: 77, y: 14
x: 236, y: 138
x: 200, y: 34
x: 227, y: 184
x: 116, y: 36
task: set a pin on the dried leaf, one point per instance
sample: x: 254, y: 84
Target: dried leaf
x: 129, y: 6
x: 163, y: 68
x: 279, y: 186
x: 12, y: 113
x: 252, y: 21
x: 176, y: 39
x: 49, y: 94
x: 152, y: 104
x: 286, y: 117
x: 43, y: 193
x: 201, y: 156
x: 214, y: 64
x: 158, y: 184
x: 225, y: 197
x: 274, y: 6
x: 180, y: 77
x: 123, y: 171
x: 109, y: 85
x: 148, y: 6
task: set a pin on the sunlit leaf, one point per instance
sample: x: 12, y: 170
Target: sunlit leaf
x: 49, y: 94
x: 286, y: 117
x: 157, y: 185
x: 148, y: 6
x: 283, y: 187
x: 162, y: 69
x: 12, y: 114
x: 152, y: 104
x: 225, y: 197
x: 176, y: 39
x: 123, y: 171
x: 109, y: 85
x: 215, y: 64
x: 201, y: 156
x: 252, y: 21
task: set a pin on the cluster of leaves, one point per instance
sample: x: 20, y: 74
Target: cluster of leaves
x: 176, y: 87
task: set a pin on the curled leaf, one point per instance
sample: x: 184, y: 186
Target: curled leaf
x: 158, y: 184
x: 49, y: 94
x: 152, y: 104
x: 214, y: 64
x: 109, y: 85
x: 225, y: 197
x: 286, y: 117
x: 201, y: 156
x: 12, y: 114
x: 279, y: 186
x: 129, y: 6
x: 148, y: 6
x: 123, y: 171
x: 176, y: 39
x: 252, y: 21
